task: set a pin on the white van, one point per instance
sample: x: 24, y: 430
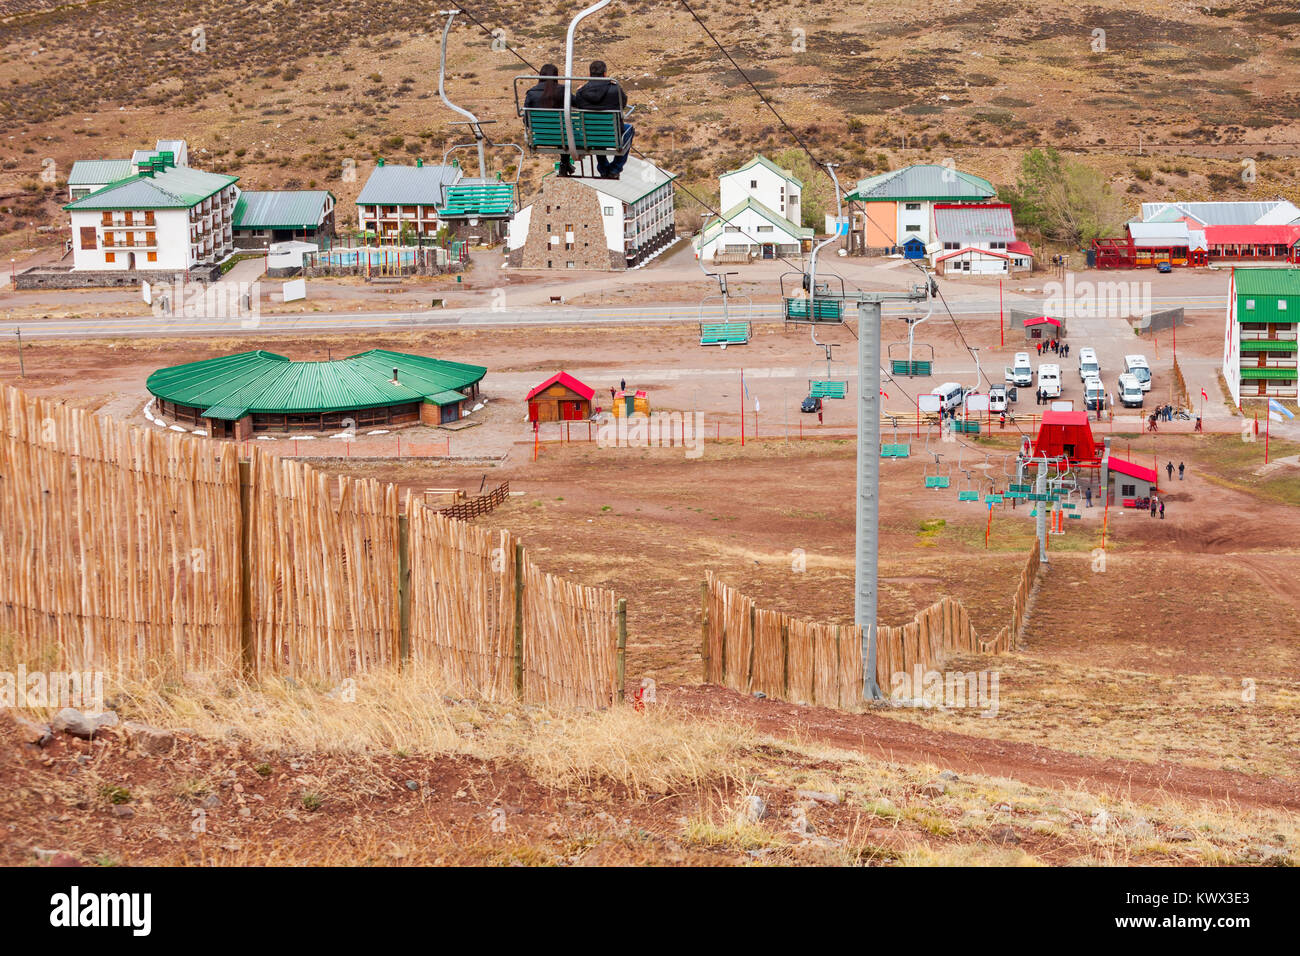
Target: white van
x: 1130, y: 391
x: 1049, y: 380
x: 1020, y: 372
x: 1136, y: 365
x: 1094, y: 394
x: 998, y: 397
x: 1089, y: 367
x: 950, y: 395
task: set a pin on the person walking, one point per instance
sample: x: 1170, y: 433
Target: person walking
x: 819, y: 416
x: 1162, y: 509
x: 1087, y: 496
x: 1169, y: 470
x: 1039, y: 347
x: 622, y: 385
x: 1180, y: 471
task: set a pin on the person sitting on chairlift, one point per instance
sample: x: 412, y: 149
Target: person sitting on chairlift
x: 549, y: 95
x: 599, y: 93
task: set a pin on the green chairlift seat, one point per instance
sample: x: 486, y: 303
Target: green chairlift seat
x: 827, y: 388
x: 968, y: 496
x: 823, y: 310
x: 937, y: 481
x: 594, y: 131
x: 993, y: 499
x: 911, y: 369
x: 895, y: 451
x: 729, y: 333
x: 478, y: 201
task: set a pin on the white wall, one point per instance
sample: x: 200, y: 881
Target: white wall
x: 1232, y: 345
x: 611, y: 217
x: 171, y: 231
x: 923, y: 217
x: 735, y: 188
x: 752, y: 233
x: 517, y: 231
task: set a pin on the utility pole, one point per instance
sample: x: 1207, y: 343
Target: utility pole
x: 22, y: 372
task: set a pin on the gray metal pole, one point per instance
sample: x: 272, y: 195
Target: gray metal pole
x: 1041, y: 488
x: 868, y: 512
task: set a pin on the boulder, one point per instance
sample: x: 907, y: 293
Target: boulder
x: 153, y: 741
x: 72, y: 721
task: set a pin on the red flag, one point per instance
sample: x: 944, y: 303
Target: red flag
x: 884, y: 393
x: 1204, y: 396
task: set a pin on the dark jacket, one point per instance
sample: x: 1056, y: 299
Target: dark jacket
x: 537, y: 98
x: 600, y: 94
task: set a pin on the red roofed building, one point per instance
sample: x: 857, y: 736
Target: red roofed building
x: 1067, y: 434
x: 561, y: 398
x: 1125, y: 482
x: 1043, y: 327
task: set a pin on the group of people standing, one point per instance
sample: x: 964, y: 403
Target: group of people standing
x: 1162, y: 413
x: 1054, y: 346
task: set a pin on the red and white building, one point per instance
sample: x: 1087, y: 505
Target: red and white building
x: 978, y: 239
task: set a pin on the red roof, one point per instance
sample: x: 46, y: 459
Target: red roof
x: 1065, y: 418
x: 1252, y: 235
x: 1132, y: 470
x: 1020, y: 247
x: 1043, y: 318
x: 568, y: 381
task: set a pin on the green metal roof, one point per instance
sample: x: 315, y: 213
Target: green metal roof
x: 1267, y: 281
x: 923, y: 182
x: 1257, y: 373
x: 177, y: 187
x: 761, y: 160
x: 1267, y: 345
x: 232, y: 386
x: 749, y: 202
x: 281, y: 209
x: 99, y: 172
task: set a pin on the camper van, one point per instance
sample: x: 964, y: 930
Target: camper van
x: 951, y: 394
x: 1130, y: 391
x: 1049, y: 380
x: 998, y: 396
x: 1136, y: 365
x: 1089, y: 367
x: 1094, y: 394
x: 1020, y: 373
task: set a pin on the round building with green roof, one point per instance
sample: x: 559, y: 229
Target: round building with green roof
x: 234, y: 396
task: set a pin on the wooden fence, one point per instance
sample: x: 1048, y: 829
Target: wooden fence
x: 149, y: 553
x: 753, y: 650
x: 481, y: 505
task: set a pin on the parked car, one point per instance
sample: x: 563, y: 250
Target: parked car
x: 1089, y: 367
x: 1164, y: 267
x: 1049, y: 379
x: 1020, y: 372
x: 1130, y: 391
x: 811, y: 404
x: 1136, y: 365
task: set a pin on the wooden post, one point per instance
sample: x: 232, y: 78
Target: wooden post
x: 519, y: 621
x: 753, y: 641
x: 404, y: 589
x: 704, y: 628
x: 246, y: 567
x: 785, y: 658
x: 622, y: 648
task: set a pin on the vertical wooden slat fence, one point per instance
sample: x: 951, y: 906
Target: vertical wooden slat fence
x: 153, y: 554
x: 786, y: 658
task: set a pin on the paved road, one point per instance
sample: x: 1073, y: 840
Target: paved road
x: 151, y: 325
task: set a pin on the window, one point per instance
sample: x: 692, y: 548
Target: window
x: 1281, y: 305
x: 997, y: 245
x: 753, y: 184
x: 913, y: 229
x: 1250, y: 303
x: 152, y: 256
x: 568, y: 265
x: 550, y: 264
x: 912, y: 206
x: 764, y: 228
x: 952, y: 245
x: 608, y: 210
x: 110, y: 257
x: 1128, y: 491
x: 88, y: 240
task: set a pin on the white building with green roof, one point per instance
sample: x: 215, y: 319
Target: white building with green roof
x: 1259, y: 341
x: 762, y: 210
x: 159, y: 218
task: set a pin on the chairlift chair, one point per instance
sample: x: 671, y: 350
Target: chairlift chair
x: 735, y: 327
x: 819, y: 303
x: 938, y: 479
x: 582, y: 135
x: 912, y: 366
x: 895, y: 449
x: 485, y: 198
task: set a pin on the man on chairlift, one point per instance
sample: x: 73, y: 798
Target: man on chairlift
x: 600, y: 93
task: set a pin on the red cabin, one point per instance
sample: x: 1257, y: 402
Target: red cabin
x: 561, y: 398
x: 1067, y: 434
